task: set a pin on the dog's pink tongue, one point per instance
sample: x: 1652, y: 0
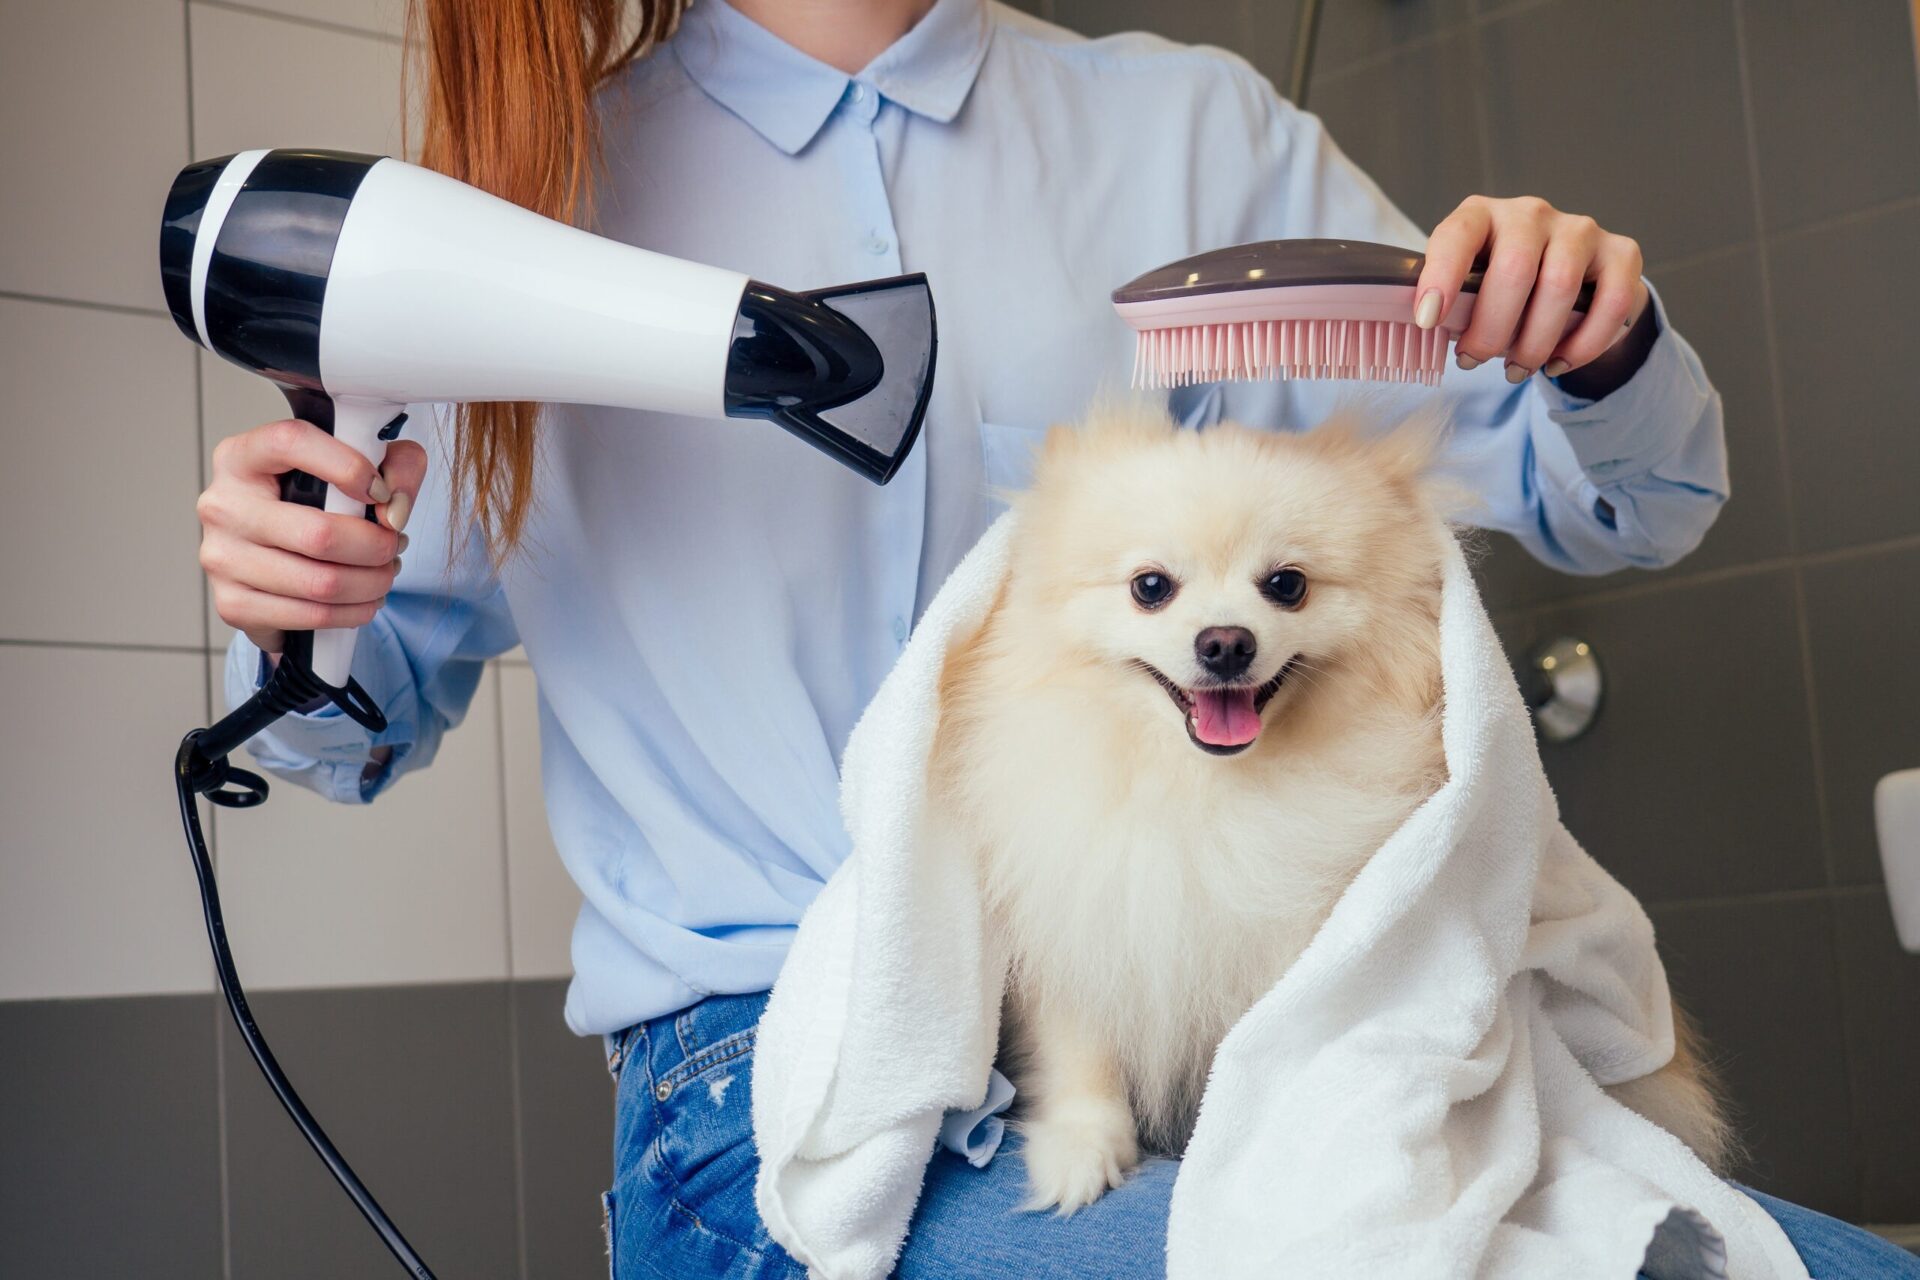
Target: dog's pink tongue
x: 1225, y: 717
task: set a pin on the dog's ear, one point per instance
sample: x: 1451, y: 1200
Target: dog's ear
x: 1407, y: 453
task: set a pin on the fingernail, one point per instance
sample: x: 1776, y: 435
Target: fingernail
x: 1427, y: 314
x: 398, y: 510
x: 1554, y: 367
x: 379, y: 490
x: 1518, y: 373
x: 1465, y: 361
x: 401, y: 546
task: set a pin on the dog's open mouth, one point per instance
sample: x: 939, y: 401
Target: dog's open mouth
x: 1222, y: 719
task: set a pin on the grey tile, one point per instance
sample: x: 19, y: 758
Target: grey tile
x: 566, y: 1135
x: 1863, y: 620
x: 1717, y: 306
x: 414, y: 1086
x: 1759, y: 977
x: 1273, y: 25
x: 1510, y: 578
x: 1697, y: 779
x: 1844, y: 314
x: 1351, y: 30
x: 110, y: 1164
x: 1880, y: 994
x: 1645, y: 133
x: 1402, y: 120
x: 1223, y: 23
x: 1824, y: 152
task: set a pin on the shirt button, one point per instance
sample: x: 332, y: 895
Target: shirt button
x: 877, y: 245
x: 900, y: 630
x: 857, y: 94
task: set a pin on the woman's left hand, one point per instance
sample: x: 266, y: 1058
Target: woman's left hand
x: 1537, y: 260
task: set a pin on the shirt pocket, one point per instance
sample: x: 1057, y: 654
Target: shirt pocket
x: 1007, y: 454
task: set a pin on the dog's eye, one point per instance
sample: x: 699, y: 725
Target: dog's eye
x: 1151, y: 589
x: 1285, y: 587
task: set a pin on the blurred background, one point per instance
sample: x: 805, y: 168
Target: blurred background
x: 410, y: 958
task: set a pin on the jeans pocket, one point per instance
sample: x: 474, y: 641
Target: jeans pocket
x: 704, y: 1141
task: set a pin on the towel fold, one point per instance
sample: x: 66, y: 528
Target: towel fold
x: 1420, y: 1095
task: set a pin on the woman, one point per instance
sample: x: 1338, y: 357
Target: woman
x: 708, y: 608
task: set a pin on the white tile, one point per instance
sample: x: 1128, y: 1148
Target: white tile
x: 544, y: 897
x: 96, y: 893
x: 265, y: 82
x: 411, y: 888
x: 94, y: 96
x: 102, y: 466
x: 387, y: 17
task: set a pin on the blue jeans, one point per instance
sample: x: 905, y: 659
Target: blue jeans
x: 681, y: 1207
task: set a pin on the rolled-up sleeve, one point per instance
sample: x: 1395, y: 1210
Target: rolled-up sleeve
x: 1587, y: 486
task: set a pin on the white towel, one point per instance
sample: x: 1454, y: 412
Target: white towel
x: 1419, y: 1096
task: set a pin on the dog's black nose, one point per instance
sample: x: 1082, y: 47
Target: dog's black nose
x: 1225, y: 651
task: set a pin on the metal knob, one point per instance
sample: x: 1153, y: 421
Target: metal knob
x: 1563, y: 684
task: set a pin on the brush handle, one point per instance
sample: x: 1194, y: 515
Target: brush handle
x: 366, y: 426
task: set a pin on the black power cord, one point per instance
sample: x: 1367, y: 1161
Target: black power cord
x: 201, y: 769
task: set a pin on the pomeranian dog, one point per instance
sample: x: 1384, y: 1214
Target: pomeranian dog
x: 1209, y: 690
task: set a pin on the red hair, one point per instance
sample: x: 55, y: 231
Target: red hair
x: 509, y: 108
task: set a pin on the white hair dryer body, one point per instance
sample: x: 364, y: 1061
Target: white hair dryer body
x: 361, y: 284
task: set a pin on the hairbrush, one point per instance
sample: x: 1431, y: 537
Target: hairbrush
x: 1292, y: 309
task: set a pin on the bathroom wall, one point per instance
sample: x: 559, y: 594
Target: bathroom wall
x: 409, y: 958
x: 1766, y: 154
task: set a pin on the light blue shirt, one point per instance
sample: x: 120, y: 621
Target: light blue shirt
x: 708, y: 607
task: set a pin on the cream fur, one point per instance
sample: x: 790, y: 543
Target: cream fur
x: 1149, y: 892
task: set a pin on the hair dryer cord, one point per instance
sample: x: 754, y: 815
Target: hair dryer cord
x: 201, y: 768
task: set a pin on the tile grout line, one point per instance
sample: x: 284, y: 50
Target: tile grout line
x: 222, y: 1125
x: 515, y: 1078
x: 1707, y: 577
x: 301, y: 20
x: 1837, y: 221
x: 1763, y: 266
x: 1763, y: 269
x: 84, y: 304
x: 109, y: 646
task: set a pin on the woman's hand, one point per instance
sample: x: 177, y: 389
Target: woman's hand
x: 278, y: 566
x: 1537, y: 260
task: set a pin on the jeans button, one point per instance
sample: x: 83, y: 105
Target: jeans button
x: 663, y: 1091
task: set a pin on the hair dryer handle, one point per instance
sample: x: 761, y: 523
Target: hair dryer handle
x: 366, y: 425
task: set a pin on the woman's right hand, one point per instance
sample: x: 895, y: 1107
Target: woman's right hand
x: 278, y: 566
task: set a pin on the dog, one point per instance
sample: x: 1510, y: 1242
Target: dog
x: 1209, y: 690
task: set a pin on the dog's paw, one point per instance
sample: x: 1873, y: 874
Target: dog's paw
x: 1076, y: 1153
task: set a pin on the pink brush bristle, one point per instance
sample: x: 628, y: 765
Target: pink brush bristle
x: 1370, y: 350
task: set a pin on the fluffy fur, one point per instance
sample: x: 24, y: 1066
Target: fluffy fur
x: 1150, y: 874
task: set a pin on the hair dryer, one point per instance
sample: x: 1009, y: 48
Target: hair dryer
x: 361, y: 284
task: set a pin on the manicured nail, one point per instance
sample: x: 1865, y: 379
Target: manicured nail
x: 379, y: 490
x: 401, y: 547
x: 1518, y: 373
x: 1465, y: 361
x: 1554, y: 367
x: 398, y: 510
x: 1427, y: 314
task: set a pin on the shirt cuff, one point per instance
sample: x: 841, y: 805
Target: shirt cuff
x: 325, y: 745
x: 1629, y: 432
x: 975, y: 1135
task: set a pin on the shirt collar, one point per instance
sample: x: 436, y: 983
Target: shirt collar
x: 787, y: 96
